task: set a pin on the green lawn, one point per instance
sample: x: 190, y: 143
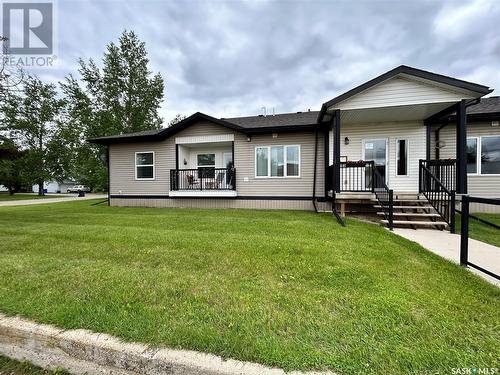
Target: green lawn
x: 11, y: 367
x: 16, y: 197
x: 481, y: 231
x: 284, y: 288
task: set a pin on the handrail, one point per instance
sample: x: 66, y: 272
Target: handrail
x: 203, y: 178
x: 384, y: 195
x: 439, y: 196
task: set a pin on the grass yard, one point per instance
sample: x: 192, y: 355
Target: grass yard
x: 17, y: 197
x: 283, y: 288
x: 481, y: 231
x: 12, y: 367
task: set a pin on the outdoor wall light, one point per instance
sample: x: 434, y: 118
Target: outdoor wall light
x: 249, y: 138
x: 346, y: 141
x: 185, y: 162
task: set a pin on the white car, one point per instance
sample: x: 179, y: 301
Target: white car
x: 78, y: 188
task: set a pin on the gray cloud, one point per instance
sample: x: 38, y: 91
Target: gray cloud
x: 231, y: 58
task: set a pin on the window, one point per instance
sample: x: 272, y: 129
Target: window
x: 206, y: 165
x: 490, y: 155
x: 206, y: 160
x: 471, y: 153
x: 145, y: 165
x: 402, y: 157
x: 277, y: 161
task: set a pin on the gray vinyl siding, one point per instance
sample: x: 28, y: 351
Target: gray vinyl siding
x: 244, y: 161
x: 122, y: 164
x: 257, y: 204
x: 478, y: 185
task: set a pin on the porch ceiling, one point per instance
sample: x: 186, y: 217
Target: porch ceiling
x: 414, y: 112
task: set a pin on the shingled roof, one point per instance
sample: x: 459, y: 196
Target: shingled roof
x: 486, y: 105
x: 271, y: 121
x: 250, y: 125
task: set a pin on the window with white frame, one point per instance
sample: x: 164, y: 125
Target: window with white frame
x: 402, y: 157
x: 145, y: 165
x: 277, y: 161
x: 488, y: 147
x: 490, y: 155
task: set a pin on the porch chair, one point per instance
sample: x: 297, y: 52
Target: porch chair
x: 191, y: 181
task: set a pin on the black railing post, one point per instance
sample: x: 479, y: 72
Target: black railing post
x: 464, y: 231
x: 452, y: 211
x: 373, y: 175
x: 391, y: 210
x: 420, y: 176
x: 233, y: 171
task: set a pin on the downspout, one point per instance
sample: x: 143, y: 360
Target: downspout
x: 315, y: 166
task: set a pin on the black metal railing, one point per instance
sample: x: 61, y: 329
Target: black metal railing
x: 355, y: 176
x: 384, y: 195
x: 438, y: 195
x: 464, y: 232
x: 203, y: 178
x: 445, y: 171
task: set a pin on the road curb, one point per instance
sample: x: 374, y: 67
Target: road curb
x: 84, y: 352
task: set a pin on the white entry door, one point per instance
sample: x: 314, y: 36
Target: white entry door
x: 376, y: 150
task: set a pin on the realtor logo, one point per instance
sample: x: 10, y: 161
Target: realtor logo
x: 28, y: 28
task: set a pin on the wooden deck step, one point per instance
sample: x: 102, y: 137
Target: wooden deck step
x: 416, y: 223
x: 415, y: 214
x: 428, y: 207
x: 398, y: 200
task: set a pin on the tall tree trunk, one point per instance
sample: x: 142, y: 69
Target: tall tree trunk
x: 40, y: 188
x: 11, y: 190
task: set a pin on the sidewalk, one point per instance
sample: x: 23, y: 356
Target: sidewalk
x: 447, y: 245
x: 51, y: 200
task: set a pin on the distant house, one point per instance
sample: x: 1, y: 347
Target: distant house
x: 398, y: 138
x: 55, y: 186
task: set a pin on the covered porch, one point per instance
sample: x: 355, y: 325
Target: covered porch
x: 377, y: 138
x: 204, y: 167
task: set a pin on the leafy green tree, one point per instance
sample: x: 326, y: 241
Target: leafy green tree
x: 11, y: 175
x: 31, y: 118
x: 121, y: 97
x: 178, y: 118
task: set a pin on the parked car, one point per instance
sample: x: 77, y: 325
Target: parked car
x: 78, y: 188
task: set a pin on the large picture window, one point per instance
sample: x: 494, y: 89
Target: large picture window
x: 206, y: 165
x: 490, y: 155
x: 277, y: 161
x: 145, y: 165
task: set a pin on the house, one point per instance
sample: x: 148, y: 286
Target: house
x: 408, y: 143
x: 55, y: 186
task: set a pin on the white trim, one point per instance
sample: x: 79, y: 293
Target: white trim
x: 407, y: 174
x: 205, y: 139
x: 202, y: 193
x: 145, y: 165
x: 478, y: 156
x: 285, y: 175
x: 480, y: 153
x: 386, y: 154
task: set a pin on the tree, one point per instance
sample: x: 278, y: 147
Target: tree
x: 178, y: 118
x: 11, y: 76
x: 11, y: 175
x: 122, y: 97
x: 31, y: 118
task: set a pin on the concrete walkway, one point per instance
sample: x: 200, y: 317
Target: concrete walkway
x: 447, y: 245
x: 60, y: 198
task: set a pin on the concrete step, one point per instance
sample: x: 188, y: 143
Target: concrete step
x: 412, y: 214
x: 416, y: 223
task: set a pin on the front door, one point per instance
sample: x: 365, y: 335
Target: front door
x: 376, y: 150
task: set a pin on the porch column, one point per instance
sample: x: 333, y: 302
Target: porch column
x: 428, y: 141
x: 461, y: 175
x: 326, y: 153
x: 336, y: 150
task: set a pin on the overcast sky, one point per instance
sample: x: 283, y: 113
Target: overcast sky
x: 232, y: 58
